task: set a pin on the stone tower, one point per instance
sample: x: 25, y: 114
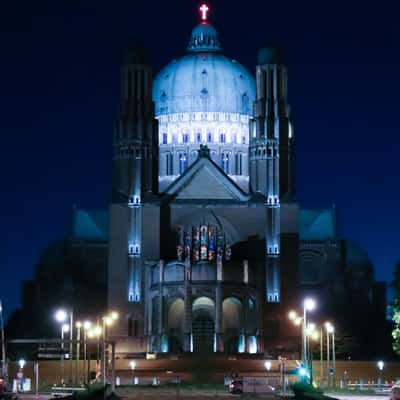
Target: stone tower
x: 270, y: 157
x: 135, y: 155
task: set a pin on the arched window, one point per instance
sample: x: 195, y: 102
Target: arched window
x: 225, y: 162
x: 182, y: 163
x: 198, y: 137
x: 185, y: 137
x: 209, y: 137
x: 168, y: 166
x: 239, y: 163
x: 222, y: 137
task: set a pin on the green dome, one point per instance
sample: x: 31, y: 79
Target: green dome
x: 269, y: 55
x: 356, y: 256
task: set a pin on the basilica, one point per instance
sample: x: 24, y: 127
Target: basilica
x: 205, y: 248
x: 208, y: 248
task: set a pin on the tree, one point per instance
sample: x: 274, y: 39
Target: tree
x: 395, y: 307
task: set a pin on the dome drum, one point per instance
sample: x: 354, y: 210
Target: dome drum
x: 204, y: 98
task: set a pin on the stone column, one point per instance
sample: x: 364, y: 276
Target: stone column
x: 160, y: 329
x: 187, y: 323
x: 218, y: 318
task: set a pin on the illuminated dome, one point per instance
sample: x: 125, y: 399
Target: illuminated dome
x: 203, y: 98
x: 204, y: 80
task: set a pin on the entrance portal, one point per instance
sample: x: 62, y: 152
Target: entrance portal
x: 203, y: 334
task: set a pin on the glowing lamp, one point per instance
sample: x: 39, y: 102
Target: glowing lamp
x: 132, y: 364
x: 309, y: 304
x: 302, y: 371
x: 65, y: 327
x: 315, y: 335
x: 329, y: 327
x: 79, y: 324
x: 292, y: 315
x: 114, y: 315
x: 21, y: 363
x: 380, y: 365
x: 268, y: 365
x: 87, y: 325
x: 61, y: 315
x: 97, y: 331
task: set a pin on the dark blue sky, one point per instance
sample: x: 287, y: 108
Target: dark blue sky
x: 59, y: 78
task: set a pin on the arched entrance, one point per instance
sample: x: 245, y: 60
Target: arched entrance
x: 203, y: 325
x: 232, y: 314
x: 175, y: 314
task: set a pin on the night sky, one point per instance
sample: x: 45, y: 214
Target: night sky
x: 59, y: 81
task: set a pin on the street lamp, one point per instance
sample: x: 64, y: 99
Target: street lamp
x: 61, y: 316
x: 268, y: 365
x: 20, y: 374
x: 132, y: 364
x: 380, y: 364
x: 108, y: 320
x: 78, y: 346
x: 330, y: 330
x: 308, y: 305
x: 86, y: 327
x: 4, y: 371
x: 312, y: 334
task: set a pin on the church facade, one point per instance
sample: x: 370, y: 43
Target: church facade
x: 208, y: 249
x: 203, y: 251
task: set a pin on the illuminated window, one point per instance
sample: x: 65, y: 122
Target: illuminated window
x: 168, y: 160
x: 239, y: 163
x: 182, y: 163
x: 165, y: 138
x: 225, y: 162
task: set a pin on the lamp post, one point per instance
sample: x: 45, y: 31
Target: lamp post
x: 293, y: 316
x: 4, y: 372
x: 62, y: 316
x: 312, y: 334
x: 21, y: 364
x: 86, y: 326
x: 78, y: 347
x: 108, y: 320
x: 380, y: 364
x: 321, y: 354
x: 330, y: 330
x: 64, y: 329
x: 132, y: 364
x: 308, y: 305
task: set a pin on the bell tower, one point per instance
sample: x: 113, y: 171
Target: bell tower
x: 133, y: 210
x: 270, y: 153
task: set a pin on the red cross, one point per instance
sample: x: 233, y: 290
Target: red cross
x: 204, y: 10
